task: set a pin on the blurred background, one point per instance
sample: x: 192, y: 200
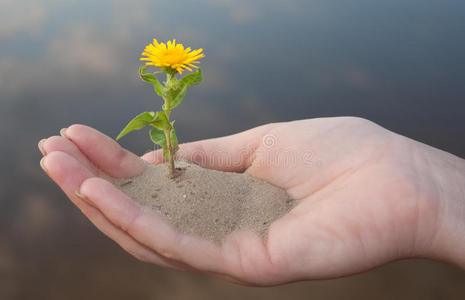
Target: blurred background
x: 400, y: 63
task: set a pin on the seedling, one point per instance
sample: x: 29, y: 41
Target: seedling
x: 172, y: 59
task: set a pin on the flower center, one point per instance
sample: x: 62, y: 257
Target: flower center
x: 172, y: 56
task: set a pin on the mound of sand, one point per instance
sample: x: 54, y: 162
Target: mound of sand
x: 207, y: 203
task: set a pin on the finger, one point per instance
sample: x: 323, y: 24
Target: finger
x: 68, y: 173
x: 233, y: 153
x: 104, y: 152
x: 126, y: 242
x: 65, y: 170
x: 155, y: 157
x: 148, y: 228
x: 59, y: 143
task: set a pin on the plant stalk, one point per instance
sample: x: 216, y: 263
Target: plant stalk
x: 167, y: 132
x: 170, y: 153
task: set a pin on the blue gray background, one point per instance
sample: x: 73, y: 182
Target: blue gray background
x: 398, y: 63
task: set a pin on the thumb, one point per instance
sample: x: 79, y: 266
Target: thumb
x: 232, y: 153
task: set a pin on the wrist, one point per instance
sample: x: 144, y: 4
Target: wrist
x: 444, y: 237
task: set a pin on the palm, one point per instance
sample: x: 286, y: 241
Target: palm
x: 354, y: 197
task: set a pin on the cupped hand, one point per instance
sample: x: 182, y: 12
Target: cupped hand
x: 362, y: 200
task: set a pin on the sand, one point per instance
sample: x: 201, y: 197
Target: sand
x: 208, y: 203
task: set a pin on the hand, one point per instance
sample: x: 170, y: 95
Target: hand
x: 366, y: 196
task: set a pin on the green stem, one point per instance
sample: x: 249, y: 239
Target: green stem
x: 167, y: 132
x: 170, y: 153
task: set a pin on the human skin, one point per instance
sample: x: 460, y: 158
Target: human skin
x: 365, y: 196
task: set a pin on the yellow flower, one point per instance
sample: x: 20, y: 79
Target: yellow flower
x: 171, y: 55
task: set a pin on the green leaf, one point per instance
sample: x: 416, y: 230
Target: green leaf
x: 150, y: 78
x: 158, y: 137
x: 178, y: 97
x: 192, y: 79
x: 137, y: 123
x: 160, y: 121
x: 176, y: 94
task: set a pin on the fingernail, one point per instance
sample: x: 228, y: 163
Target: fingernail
x: 77, y: 192
x: 41, y: 147
x: 63, y: 132
x: 42, y: 164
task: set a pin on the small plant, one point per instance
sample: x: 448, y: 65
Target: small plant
x: 172, y: 59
